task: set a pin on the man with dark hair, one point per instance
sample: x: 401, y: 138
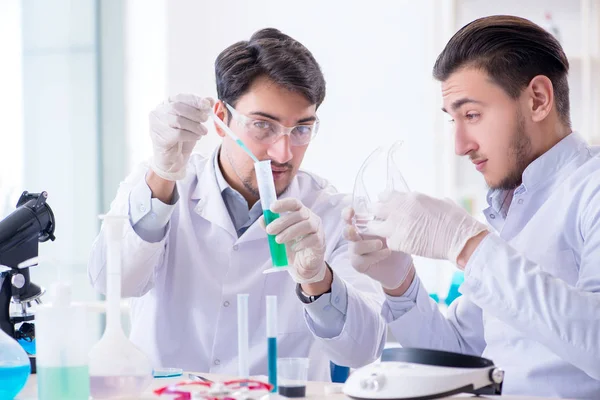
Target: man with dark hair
x: 531, y: 295
x: 196, y: 237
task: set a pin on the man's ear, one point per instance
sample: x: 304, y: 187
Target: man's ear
x: 221, y: 113
x: 541, y: 97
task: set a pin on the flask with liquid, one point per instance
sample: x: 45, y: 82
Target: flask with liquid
x: 62, y: 348
x: 14, y: 366
x: 118, y: 369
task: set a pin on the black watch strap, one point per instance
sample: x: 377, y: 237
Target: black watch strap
x: 307, y: 298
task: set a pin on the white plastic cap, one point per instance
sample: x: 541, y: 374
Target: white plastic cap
x: 266, y: 185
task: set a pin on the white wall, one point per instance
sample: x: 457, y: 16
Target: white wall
x: 376, y: 57
x: 145, y: 71
x: 11, y: 110
x: 60, y: 128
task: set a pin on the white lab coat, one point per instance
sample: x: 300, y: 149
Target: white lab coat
x: 185, y: 286
x: 531, y: 295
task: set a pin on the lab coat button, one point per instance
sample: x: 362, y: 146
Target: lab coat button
x: 337, y: 299
x: 226, y: 304
x: 142, y: 208
x: 217, y: 362
x: 235, y: 247
x: 520, y: 201
x: 493, y: 216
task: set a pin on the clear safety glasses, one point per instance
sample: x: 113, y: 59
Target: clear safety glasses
x: 267, y: 131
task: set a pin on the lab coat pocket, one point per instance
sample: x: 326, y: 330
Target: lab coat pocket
x: 562, y: 265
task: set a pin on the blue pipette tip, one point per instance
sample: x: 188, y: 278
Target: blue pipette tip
x: 247, y: 150
x: 167, y: 372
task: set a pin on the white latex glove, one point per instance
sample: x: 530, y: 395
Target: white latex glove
x: 417, y: 224
x: 302, y: 232
x: 175, y: 127
x: 371, y: 256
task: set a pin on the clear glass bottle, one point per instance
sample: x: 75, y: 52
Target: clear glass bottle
x: 62, y: 352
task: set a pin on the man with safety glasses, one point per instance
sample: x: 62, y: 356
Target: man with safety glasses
x: 196, y: 237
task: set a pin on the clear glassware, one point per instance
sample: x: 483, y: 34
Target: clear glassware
x: 379, y: 173
x: 14, y: 366
x: 118, y: 369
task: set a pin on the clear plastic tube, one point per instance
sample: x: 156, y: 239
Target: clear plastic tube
x: 243, y: 350
x: 272, y: 340
x: 268, y: 196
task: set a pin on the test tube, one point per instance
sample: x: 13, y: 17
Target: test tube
x: 242, y: 320
x: 272, y: 340
x: 268, y: 196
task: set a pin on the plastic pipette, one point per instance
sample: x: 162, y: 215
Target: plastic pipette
x: 233, y: 136
x: 272, y: 340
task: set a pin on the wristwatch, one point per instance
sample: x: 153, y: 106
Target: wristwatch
x: 307, y: 298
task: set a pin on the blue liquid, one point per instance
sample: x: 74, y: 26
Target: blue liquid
x: 28, y: 346
x: 247, y: 150
x: 272, y: 362
x: 12, y: 380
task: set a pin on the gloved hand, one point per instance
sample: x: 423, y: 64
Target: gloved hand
x: 417, y: 224
x: 371, y: 256
x: 175, y: 127
x: 302, y: 232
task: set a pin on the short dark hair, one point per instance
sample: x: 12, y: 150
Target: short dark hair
x: 274, y: 55
x: 512, y: 51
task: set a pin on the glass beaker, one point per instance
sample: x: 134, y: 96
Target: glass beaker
x: 292, y: 374
x: 118, y: 369
x: 379, y: 173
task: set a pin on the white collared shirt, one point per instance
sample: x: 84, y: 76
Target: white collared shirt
x: 531, y: 295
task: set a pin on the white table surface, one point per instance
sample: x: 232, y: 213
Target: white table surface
x: 314, y: 390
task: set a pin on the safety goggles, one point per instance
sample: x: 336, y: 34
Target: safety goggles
x: 267, y: 131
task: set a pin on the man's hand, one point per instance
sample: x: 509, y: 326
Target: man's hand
x: 372, y: 257
x: 425, y: 226
x: 175, y: 127
x: 302, y: 232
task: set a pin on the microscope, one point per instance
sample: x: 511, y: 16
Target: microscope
x: 20, y: 232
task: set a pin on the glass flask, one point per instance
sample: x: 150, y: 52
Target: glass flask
x: 14, y: 366
x: 118, y: 369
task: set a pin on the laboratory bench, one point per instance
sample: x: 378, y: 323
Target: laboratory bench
x: 314, y: 390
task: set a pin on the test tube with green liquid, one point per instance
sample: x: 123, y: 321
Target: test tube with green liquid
x: 268, y: 196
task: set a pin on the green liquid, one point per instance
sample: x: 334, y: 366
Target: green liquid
x: 63, y: 383
x: 278, y: 255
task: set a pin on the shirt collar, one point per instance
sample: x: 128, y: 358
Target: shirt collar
x: 540, y: 171
x: 221, y: 182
